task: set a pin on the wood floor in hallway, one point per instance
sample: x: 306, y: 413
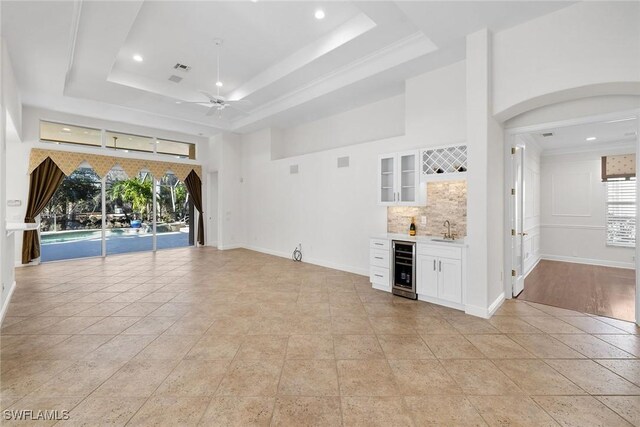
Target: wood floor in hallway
x: 593, y: 289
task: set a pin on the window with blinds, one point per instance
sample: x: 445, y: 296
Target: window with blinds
x: 621, y: 213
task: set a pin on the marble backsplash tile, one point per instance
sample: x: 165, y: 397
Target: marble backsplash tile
x: 446, y: 200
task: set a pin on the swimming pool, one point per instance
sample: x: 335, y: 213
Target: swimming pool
x: 75, y: 235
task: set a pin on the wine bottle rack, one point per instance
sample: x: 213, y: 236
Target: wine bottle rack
x: 445, y: 162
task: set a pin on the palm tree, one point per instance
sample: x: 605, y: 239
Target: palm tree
x: 137, y: 192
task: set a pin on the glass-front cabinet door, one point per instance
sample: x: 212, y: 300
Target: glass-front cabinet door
x: 408, y: 177
x: 387, y: 180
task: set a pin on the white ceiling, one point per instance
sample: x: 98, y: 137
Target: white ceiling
x: 609, y: 133
x: 76, y: 56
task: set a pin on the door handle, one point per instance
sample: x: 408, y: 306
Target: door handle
x: 439, y: 265
x: 434, y: 265
x: 524, y: 234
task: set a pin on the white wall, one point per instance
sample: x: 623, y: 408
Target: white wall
x: 571, y: 53
x: 333, y: 211
x: 485, y: 222
x: 378, y: 120
x: 573, y: 210
x: 228, y: 149
x: 10, y: 93
x: 10, y: 117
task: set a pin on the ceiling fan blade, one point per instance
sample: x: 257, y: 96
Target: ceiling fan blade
x: 192, y: 102
x: 212, y: 98
x: 212, y: 110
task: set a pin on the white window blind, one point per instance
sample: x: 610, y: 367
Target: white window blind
x: 621, y: 213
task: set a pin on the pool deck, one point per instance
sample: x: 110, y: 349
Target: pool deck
x: 115, y: 245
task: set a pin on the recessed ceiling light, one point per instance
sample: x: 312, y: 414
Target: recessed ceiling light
x: 219, y: 83
x: 591, y: 138
x: 66, y: 130
x: 319, y: 14
x: 137, y: 57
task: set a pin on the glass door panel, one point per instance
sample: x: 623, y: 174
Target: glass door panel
x: 129, y: 220
x: 387, y: 180
x: 408, y: 174
x: 71, y: 224
x: 173, y: 217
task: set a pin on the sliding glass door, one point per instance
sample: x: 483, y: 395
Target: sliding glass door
x: 71, y: 224
x: 129, y: 212
x: 172, y: 213
x: 90, y: 217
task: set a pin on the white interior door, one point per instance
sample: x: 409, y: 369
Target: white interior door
x: 517, y: 219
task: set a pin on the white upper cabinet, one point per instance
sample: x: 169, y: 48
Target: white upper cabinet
x: 399, y: 180
x: 387, y: 180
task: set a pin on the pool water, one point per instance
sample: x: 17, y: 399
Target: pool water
x: 75, y: 235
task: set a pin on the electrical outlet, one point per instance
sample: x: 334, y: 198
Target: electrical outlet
x: 423, y: 220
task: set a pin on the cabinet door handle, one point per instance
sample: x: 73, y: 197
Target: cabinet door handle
x: 434, y: 265
x: 439, y: 265
x: 378, y: 244
x: 378, y: 275
x: 378, y: 257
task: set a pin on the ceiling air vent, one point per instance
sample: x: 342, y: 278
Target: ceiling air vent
x: 181, y: 67
x: 175, y: 79
x: 547, y: 134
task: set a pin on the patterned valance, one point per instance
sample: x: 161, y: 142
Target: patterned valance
x: 69, y: 161
x: 618, y: 167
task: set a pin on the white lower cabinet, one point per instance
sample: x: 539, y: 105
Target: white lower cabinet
x: 379, y: 255
x: 450, y: 280
x: 439, y: 275
x: 427, y: 276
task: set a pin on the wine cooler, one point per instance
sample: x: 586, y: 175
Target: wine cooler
x: 404, y: 269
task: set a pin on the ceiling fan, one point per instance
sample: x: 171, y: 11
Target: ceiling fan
x: 218, y: 103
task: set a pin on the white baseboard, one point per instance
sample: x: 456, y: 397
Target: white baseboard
x: 439, y: 301
x: 228, y: 247
x: 381, y: 287
x: 535, y: 264
x: 496, y: 304
x: 601, y: 262
x: 485, y: 313
x: 5, y: 305
x: 314, y: 261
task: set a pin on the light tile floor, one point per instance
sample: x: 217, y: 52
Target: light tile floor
x: 199, y: 336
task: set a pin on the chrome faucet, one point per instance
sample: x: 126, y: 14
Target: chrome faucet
x: 448, y: 234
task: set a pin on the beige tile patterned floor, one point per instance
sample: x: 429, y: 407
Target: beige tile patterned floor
x: 200, y: 336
